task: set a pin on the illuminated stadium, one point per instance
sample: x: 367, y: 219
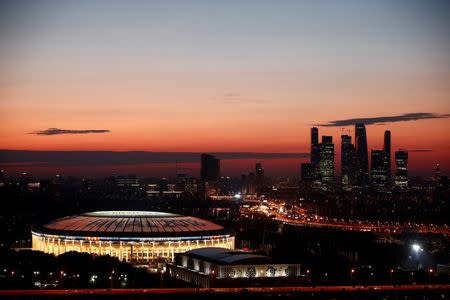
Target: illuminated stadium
x: 135, y: 236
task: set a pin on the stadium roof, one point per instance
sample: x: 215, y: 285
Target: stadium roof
x: 132, y: 223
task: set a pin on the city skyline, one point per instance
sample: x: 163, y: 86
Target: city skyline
x: 148, y: 163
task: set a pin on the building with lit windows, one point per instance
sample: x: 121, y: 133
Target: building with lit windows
x: 327, y: 162
x: 215, y: 267
x: 347, y: 162
x: 138, y: 237
x: 401, y: 173
x: 378, y: 170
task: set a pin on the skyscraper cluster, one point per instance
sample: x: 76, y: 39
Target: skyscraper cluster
x: 319, y: 173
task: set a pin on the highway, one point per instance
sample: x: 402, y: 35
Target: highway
x: 364, y: 226
x: 300, y: 217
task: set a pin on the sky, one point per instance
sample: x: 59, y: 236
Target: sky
x: 225, y: 76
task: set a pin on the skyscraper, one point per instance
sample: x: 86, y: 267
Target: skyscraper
x: 315, y: 147
x: 251, y: 183
x: 362, y: 161
x: 387, y: 156
x: 243, y: 184
x: 401, y: 173
x: 209, y: 175
x: 378, y: 170
x: 326, y: 165
x: 210, y: 168
x: 347, y: 162
x: 315, y: 153
x: 259, y: 171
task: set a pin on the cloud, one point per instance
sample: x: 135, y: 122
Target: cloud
x: 237, y: 98
x: 386, y: 119
x: 56, y: 131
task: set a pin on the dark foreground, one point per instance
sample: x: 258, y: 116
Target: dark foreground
x: 318, y: 292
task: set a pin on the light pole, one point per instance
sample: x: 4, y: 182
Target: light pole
x: 308, y: 277
x: 112, y: 278
x: 417, y: 248
x: 352, y: 272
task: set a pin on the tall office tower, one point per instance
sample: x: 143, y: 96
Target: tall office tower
x: 347, y: 162
x: 315, y: 153
x: 259, y: 171
x: 314, y: 136
x: 251, y: 183
x: 243, y: 184
x: 401, y: 174
x: 326, y: 165
x: 378, y: 170
x: 210, y: 168
x: 387, y: 156
x: 315, y: 147
x: 362, y: 160
x: 210, y: 175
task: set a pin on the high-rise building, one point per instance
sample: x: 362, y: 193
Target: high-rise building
x: 210, y: 168
x: 259, y: 171
x: 387, y: 156
x: 314, y: 142
x: 362, y: 160
x: 251, y: 183
x: 315, y: 153
x: 347, y: 162
x: 210, y: 175
x: 401, y: 173
x: 378, y: 170
x: 327, y: 162
x: 128, y: 183
x: 243, y: 184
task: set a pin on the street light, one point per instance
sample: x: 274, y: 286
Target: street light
x: 430, y: 274
x: 416, y: 248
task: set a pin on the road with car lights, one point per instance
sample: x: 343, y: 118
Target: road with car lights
x: 300, y: 217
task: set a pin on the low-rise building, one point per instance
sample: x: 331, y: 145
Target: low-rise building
x: 215, y: 267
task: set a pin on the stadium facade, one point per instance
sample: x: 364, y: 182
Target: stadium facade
x: 134, y: 236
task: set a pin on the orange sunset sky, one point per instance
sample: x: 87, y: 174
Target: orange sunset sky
x: 227, y: 76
